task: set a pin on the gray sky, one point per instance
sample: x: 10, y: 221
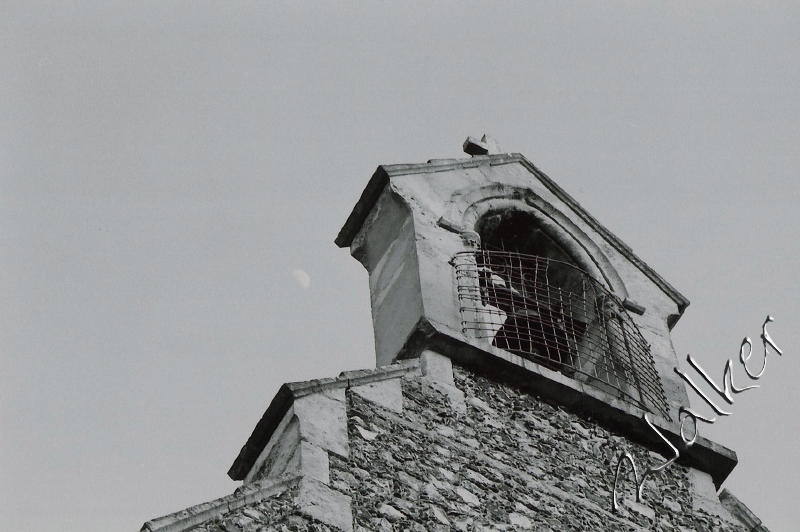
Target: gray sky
x: 165, y: 167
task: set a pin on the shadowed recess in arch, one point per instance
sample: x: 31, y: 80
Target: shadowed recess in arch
x: 525, y: 294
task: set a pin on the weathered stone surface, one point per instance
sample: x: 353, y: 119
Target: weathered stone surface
x: 278, y: 512
x: 314, y: 462
x: 386, y: 393
x: 322, y: 420
x: 366, y: 434
x: 437, y: 367
x: 510, y: 462
x: 520, y: 521
x: 387, y: 251
x: 738, y: 510
x: 281, y: 456
x: 390, y: 512
x: 319, y: 502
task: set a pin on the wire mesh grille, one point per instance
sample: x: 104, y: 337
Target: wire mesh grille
x: 558, y: 316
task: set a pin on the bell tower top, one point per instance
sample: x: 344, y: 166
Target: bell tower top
x: 486, y: 260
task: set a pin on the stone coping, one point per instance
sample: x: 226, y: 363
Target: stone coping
x: 293, y: 390
x: 200, y: 513
x: 380, y: 179
x: 741, y: 512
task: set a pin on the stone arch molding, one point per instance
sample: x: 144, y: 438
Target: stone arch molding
x: 467, y: 206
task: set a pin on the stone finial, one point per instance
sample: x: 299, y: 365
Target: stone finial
x: 487, y: 145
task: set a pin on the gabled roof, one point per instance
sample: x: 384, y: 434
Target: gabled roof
x: 380, y: 179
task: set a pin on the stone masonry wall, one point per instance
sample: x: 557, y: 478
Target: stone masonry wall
x: 508, y: 462
x: 275, y: 514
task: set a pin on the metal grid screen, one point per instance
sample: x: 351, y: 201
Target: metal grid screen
x: 557, y: 315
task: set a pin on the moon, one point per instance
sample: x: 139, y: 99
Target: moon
x: 302, y: 278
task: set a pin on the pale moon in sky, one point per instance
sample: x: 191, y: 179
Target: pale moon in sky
x: 302, y: 278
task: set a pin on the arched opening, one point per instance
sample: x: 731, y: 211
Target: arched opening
x: 533, y: 299
x: 512, y: 230
x: 524, y: 273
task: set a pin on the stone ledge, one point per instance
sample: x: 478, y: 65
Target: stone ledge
x: 200, y: 513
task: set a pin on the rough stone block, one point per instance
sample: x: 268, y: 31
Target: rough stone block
x: 385, y: 393
x: 287, y: 454
x: 323, y: 420
x: 318, y: 501
x: 438, y: 370
x: 314, y: 462
x: 279, y: 456
x: 437, y: 367
x: 705, y: 494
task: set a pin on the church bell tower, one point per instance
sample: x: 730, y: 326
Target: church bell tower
x: 489, y: 262
x: 519, y: 344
